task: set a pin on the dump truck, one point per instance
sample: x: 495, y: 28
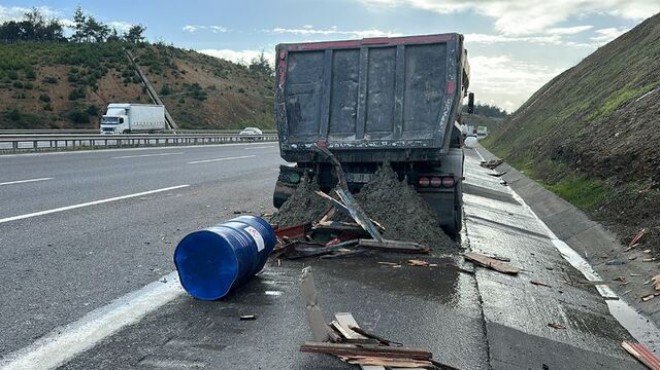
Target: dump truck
x: 373, y: 101
x: 125, y: 118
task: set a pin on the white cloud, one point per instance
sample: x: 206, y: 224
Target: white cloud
x: 568, y: 30
x: 501, y: 78
x: 193, y: 28
x: 606, y: 35
x: 480, y: 38
x: 121, y: 27
x: 522, y: 17
x: 239, y: 56
x: 308, y: 30
x: 16, y: 13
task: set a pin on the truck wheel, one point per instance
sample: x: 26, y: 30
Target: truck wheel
x: 454, y: 229
x: 459, y: 209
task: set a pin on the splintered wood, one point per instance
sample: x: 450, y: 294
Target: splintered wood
x: 491, y: 263
x: 642, y: 354
x: 345, y: 339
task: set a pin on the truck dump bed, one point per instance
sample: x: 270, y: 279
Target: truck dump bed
x: 395, y: 97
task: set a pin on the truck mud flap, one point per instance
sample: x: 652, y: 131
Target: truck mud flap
x: 286, y: 184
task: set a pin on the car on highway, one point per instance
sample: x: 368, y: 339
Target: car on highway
x: 251, y: 131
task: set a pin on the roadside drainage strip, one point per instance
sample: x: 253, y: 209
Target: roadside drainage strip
x: 640, y: 327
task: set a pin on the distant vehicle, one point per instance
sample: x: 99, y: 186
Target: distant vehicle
x: 482, y: 131
x: 126, y: 118
x: 251, y: 131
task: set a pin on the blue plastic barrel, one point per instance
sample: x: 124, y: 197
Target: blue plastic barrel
x: 213, y: 261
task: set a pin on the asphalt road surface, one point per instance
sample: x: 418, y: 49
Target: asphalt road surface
x: 86, y: 244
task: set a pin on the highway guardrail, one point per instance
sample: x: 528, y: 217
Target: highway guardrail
x: 55, y: 142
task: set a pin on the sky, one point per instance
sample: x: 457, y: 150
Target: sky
x: 514, y: 46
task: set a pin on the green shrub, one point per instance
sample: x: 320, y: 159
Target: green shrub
x: 17, y: 84
x: 50, y: 80
x: 48, y: 107
x: 76, y: 94
x: 13, y: 115
x: 93, y: 110
x: 44, y: 98
x: 28, y: 85
x: 31, y: 74
x: 78, y: 117
x: 165, y: 90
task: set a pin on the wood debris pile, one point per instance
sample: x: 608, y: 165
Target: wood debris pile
x: 344, y: 339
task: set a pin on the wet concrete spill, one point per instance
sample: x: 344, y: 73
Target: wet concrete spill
x: 441, y: 283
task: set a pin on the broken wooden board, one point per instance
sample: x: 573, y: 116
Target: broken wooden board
x: 346, y: 321
x: 491, y: 263
x: 320, y: 330
x: 394, y: 246
x: 352, y: 210
x: 656, y: 282
x: 352, y: 350
x: 345, y: 195
x: 401, y: 363
x: 539, y: 283
x: 381, y: 340
x: 642, y: 354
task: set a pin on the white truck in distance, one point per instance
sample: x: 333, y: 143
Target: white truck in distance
x: 128, y: 118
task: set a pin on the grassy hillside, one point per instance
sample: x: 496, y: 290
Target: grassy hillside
x: 68, y: 85
x: 592, y: 135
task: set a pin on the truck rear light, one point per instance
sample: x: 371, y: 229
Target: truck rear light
x: 423, y: 181
x: 448, y: 181
x: 436, y: 182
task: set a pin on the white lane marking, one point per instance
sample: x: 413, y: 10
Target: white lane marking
x: 146, y: 155
x: 259, y: 147
x: 221, y: 159
x: 67, y: 208
x: 25, y: 181
x: 63, y: 344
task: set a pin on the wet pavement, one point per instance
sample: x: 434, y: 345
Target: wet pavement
x: 485, y: 320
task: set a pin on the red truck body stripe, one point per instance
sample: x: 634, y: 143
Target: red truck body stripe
x: 346, y: 44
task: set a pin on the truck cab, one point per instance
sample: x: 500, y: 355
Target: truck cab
x: 115, y: 121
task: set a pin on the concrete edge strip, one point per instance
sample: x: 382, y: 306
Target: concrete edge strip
x: 61, y: 345
x: 640, y: 327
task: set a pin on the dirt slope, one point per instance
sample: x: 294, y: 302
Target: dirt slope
x: 592, y: 135
x: 68, y: 85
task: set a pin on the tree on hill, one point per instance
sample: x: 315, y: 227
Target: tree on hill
x: 34, y: 27
x: 135, y: 34
x: 487, y: 110
x: 261, y: 65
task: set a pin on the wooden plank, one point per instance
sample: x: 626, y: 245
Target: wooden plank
x: 346, y: 321
x: 394, y: 246
x: 656, y: 282
x: 320, y: 330
x: 402, y: 363
x: 352, y: 350
x: 491, y: 263
x: 641, y: 353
